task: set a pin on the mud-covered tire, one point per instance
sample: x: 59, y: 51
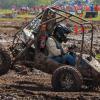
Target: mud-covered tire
x: 73, y: 79
x: 5, y: 62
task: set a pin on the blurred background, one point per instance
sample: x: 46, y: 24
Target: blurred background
x: 28, y: 8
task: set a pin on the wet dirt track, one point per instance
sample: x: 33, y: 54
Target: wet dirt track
x: 36, y: 85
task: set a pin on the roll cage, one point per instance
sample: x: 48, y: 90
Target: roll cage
x: 51, y: 16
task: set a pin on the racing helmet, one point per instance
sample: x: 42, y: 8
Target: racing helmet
x: 61, y: 31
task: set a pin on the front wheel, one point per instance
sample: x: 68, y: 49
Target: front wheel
x: 5, y: 62
x: 66, y: 78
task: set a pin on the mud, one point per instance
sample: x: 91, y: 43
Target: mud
x: 36, y: 85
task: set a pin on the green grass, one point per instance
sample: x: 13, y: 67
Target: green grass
x: 96, y: 19
x: 23, y: 16
x: 98, y: 56
x: 11, y: 19
x: 19, y: 17
x: 5, y: 11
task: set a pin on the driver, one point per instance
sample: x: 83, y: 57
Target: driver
x: 54, y: 46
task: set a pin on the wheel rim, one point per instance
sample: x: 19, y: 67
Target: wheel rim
x: 67, y: 81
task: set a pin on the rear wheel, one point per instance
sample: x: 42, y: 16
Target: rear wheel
x: 66, y: 78
x: 5, y: 62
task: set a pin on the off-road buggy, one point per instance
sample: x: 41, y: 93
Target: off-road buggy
x: 25, y: 50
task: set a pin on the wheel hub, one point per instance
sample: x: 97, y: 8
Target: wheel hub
x: 67, y: 81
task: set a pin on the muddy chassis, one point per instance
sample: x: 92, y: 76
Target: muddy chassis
x: 64, y: 77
